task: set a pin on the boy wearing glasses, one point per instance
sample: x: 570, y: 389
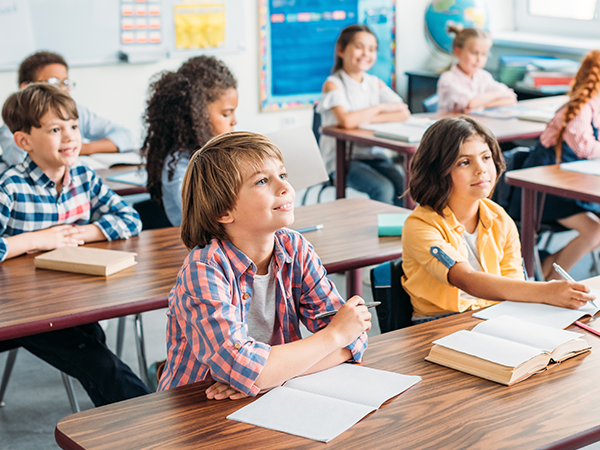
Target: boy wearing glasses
x: 103, y: 135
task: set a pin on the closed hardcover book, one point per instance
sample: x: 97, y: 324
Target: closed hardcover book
x: 391, y: 224
x: 87, y: 260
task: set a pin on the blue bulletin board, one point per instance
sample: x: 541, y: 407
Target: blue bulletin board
x: 297, y: 41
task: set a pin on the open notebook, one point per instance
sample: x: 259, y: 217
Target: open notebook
x: 322, y: 405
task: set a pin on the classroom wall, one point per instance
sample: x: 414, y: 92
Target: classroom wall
x: 120, y: 91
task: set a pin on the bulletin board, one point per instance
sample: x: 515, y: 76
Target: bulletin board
x: 297, y: 41
x: 96, y: 32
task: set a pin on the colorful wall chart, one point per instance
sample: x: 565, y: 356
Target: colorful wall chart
x: 297, y: 40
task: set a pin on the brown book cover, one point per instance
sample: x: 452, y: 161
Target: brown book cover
x: 507, y: 349
x: 91, y: 261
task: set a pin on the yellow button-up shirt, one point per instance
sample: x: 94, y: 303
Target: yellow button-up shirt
x: 427, y: 236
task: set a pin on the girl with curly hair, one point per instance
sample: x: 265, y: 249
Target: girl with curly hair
x: 572, y: 135
x: 186, y: 109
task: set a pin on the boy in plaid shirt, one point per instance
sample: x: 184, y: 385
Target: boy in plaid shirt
x: 49, y: 201
x: 235, y: 311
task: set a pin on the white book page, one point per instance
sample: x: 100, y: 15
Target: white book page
x: 490, y: 348
x: 302, y: 413
x: 136, y: 177
x: 590, y: 166
x: 114, y: 159
x: 354, y: 383
x: 551, y: 316
x: 525, y: 332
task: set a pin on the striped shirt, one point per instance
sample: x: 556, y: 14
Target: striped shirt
x: 30, y: 202
x: 207, y: 333
x: 579, y: 134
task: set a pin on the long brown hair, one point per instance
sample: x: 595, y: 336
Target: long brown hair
x: 431, y: 168
x: 585, y: 86
x: 344, y: 39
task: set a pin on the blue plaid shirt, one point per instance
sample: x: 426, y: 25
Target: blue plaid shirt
x: 30, y: 202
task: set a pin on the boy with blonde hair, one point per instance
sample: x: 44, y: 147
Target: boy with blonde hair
x: 235, y: 310
x: 49, y: 201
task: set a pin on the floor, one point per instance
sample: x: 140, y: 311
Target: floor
x: 36, y: 400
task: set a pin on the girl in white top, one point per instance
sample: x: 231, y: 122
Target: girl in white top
x: 467, y: 85
x: 351, y: 97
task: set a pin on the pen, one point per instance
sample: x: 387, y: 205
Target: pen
x: 315, y: 228
x: 562, y: 272
x: 332, y: 313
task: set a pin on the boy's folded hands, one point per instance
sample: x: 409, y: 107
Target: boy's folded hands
x: 57, y: 237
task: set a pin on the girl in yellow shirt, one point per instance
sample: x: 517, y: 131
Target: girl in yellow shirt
x: 461, y: 250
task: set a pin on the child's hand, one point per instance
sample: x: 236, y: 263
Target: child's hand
x: 567, y: 294
x: 220, y: 391
x: 351, y: 320
x: 57, y: 237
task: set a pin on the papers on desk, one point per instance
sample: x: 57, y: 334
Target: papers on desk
x: 136, y: 177
x: 589, y: 166
x: 99, y: 161
x: 411, y: 130
x: 551, y: 316
x: 522, y: 112
x: 323, y: 405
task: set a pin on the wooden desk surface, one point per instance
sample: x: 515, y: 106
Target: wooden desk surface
x: 446, y: 410
x: 553, y: 180
x: 503, y: 129
x: 33, y: 301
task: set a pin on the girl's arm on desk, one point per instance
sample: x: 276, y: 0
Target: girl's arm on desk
x: 565, y: 294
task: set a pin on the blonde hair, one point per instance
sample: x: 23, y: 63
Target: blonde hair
x: 212, y: 182
x: 462, y: 35
x: 585, y: 86
x: 24, y: 109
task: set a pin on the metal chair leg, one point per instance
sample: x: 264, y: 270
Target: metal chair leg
x: 10, y: 362
x: 121, y: 335
x: 68, y: 382
x: 141, y: 348
x: 595, y: 269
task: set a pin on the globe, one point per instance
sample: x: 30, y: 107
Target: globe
x: 442, y: 13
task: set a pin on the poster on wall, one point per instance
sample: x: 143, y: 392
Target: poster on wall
x: 297, y: 40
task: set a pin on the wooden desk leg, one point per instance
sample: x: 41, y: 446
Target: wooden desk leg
x: 528, y: 220
x: 353, y: 283
x: 340, y: 168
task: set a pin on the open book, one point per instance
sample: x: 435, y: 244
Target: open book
x: 99, y: 161
x: 88, y: 260
x: 411, y: 130
x: 322, y: 405
x: 506, y: 349
x: 551, y: 316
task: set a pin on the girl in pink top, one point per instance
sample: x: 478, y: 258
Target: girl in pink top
x: 467, y: 86
x: 572, y: 135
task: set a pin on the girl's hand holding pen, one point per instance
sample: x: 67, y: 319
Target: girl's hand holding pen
x: 352, y: 319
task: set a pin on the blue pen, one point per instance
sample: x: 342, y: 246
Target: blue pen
x: 315, y: 228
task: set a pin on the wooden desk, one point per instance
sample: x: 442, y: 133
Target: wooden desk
x: 547, y: 180
x: 504, y: 129
x: 121, y: 188
x: 34, y: 301
x: 446, y: 410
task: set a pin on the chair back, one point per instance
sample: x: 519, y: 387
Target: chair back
x: 430, y: 104
x: 152, y: 214
x: 316, y: 125
x: 396, y: 309
x: 514, y: 159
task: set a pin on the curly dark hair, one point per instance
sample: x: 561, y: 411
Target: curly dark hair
x: 176, y: 119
